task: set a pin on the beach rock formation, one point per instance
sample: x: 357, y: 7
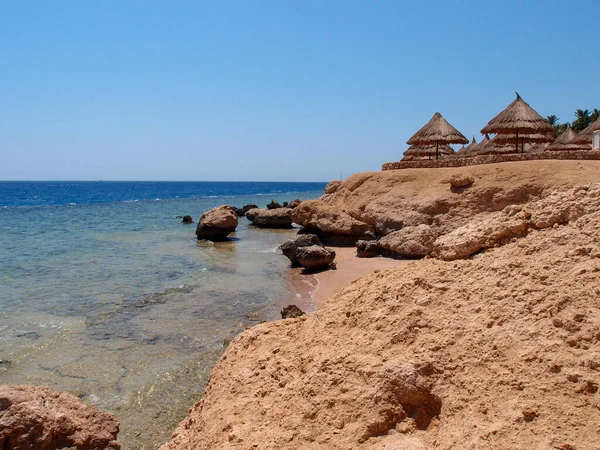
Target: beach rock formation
x: 314, y: 257
x: 517, y: 220
x: 394, y: 199
x: 33, y: 417
x: 217, y: 223
x: 273, y: 205
x: 366, y: 249
x: 409, y: 242
x: 294, y: 203
x: 291, y: 312
x: 270, y: 218
x: 501, y: 350
x: 187, y: 219
x: 331, y: 225
x: 289, y: 248
x: 459, y: 181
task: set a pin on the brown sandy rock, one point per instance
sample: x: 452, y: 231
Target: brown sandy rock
x: 270, y: 218
x: 314, y: 257
x: 294, y: 203
x: 409, y: 242
x: 217, y: 223
x: 33, y: 417
x: 289, y: 248
x: 330, y: 224
x: 393, y: 199
x: 291, y: 312
x: 366, y: 249
x: 557, y: 208
x: 499, y: 351
x: 459, y: 181
x: 274, y: 205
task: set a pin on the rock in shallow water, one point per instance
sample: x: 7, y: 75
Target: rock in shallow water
x: 314, y: 257
x: 217, y: 223
x: 289, y: 248
x: 270, y: 218
x: 291, y: 312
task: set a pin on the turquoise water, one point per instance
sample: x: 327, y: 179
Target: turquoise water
x: 119, y: 303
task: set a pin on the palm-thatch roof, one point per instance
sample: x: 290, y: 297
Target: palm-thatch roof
x: 474, y: 150
x: 493, y: 147
x: 589, y: 130
x: 524, y: 138
x: 427, y: 152
x: 468, y: 148
x: 518, y: 118
x: 437, y: 131
x: 570, y: 141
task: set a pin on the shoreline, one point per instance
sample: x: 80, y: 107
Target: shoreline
x: 311, y: 290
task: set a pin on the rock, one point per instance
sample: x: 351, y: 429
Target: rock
x: 314, y: 257
x: 294, y: 203
x: 273, y: 205
x: 270, y: 218
x: 459, y: 181
x: 217, y: 223
x: 409, y: 242
x: 333, y: 186
x: 40, y: 418
x: 331, y: 225
x: 238, y: 211
x: 291, y: 312
x: 366, y: 249
x: 187, y: 220
x: 289, y: 248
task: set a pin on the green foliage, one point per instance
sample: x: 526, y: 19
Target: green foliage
x: 583, y: 118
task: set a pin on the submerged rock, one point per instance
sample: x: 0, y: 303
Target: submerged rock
x: 291, y: 312
x: 289, y: 248
x: 217, y: 223
x: 273, y: 205
x: 40, y: 418
x: 187, y: 220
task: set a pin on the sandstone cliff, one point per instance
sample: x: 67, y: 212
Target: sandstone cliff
x: 498, y: 350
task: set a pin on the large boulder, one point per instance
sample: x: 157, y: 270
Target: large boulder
x: 270, y: 218
x: 409, y: 242
x: 331, y: 225
x: 217, y: 223
x: 289, y: 248
x: 314, y: 257
x: 366, y: 249
x: 33, y: 417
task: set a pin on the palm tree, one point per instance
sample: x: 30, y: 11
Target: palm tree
x: 595, y: 114
x: 583, y: 119
x: 553, y: 120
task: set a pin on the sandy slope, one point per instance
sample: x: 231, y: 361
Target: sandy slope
x: 501, y: 350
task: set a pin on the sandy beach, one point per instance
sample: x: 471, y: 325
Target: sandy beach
x: 312, y: 289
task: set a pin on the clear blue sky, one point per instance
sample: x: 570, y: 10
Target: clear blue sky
x: 271, y: 90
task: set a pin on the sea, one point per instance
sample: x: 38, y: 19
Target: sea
x: 105, y: 294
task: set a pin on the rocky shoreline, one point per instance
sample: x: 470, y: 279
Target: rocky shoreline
x: 492, y: 340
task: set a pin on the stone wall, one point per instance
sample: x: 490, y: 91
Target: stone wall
x: 455, y: 161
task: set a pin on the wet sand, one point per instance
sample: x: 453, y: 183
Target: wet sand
x: 312, y: 289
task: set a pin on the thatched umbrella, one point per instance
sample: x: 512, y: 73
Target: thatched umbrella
x: 519, y: 121
x: 474, y: 150
x: 589, y: 130
x: 427, y: 151
x: 495, y: 147
x: 435, y: 132
x: 468, y: 148
x: 570, y: 141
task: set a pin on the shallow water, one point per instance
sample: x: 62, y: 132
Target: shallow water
x: 119, y: 304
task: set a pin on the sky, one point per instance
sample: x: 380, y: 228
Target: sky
x: 278, y: 90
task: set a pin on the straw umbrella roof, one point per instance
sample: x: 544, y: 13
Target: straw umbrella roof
x: 493, y: 147
x: 570, y: 141
x: 523, y: 138
x: 518, y: 117
x: 427, y: 151
x: 474, y: 150
x: 468, y: 148
x: 437, y: 131
x: 589, y: 130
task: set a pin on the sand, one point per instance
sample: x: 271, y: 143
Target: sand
x: 312, y: 289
